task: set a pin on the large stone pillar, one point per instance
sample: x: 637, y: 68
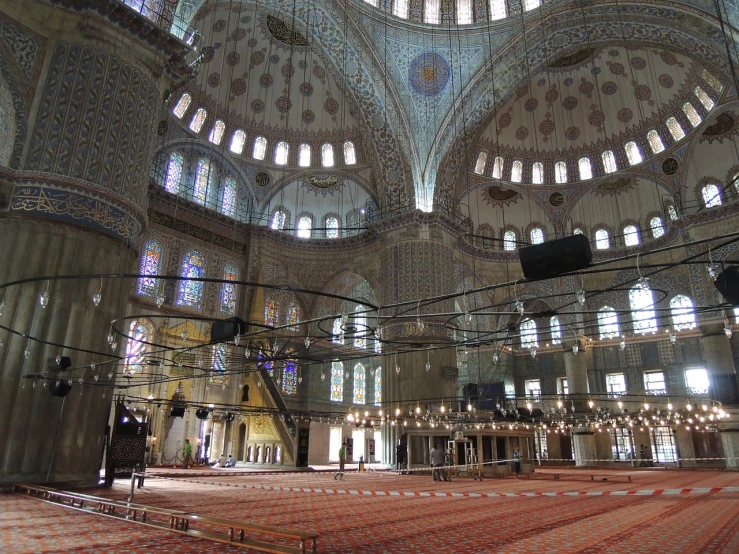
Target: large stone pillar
x: 730, y: 442
x: 576, y: 370
x: 73, y: 200
x: 720, y: 363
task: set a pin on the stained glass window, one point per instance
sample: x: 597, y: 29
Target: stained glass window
x: 683, y: 315
x: 350, y: 154
x: 560, y: 172
x: 271, y: 312
x: 643, y: 317
x: 672, y: 212
x: 278, y: 221
x: 228, y: 290
x: 360, y: 322
x: 529, y: 338
x: 704, y: 98
x: 400, y: 9
x: 608, y: 325
x: 293, y: 316
x: 290, y: 379
x: 529, y: 5
x: 140, y: 332
x: 327, y: 155
x: 714, y: 83
x: 655, y: 141
x: 337, y: 382
x: 602, y: 241
x: 237, y: 142
x: 228, y: 197
x: 555, y: 329
x: 216, y: 133
x: 360, y: 384
x: 711, y: 196
x: 537, y: 173
x: 691, y: 114
x: 431, y: 12
x: 202, y: 179
x: 509, y: 241
x: 304, y: 155
x: 586, y: 172
x: 304, y: 227
x: 218, y: 374
x: 497, y: 9
x: 281, y: 151
x: 609, y: 162
x: 675, y: 129
x: 464, y: 12
x: 631, y: 235
x: 332, y: 227
x: 260, y: 148
x: 191, y: 292
x: 516, y: 171
x: 497, y: 167
x: 537, y: 235
x: 378, y: 386
x: 482, y: 159
x: 196, y: 124
x: 657, y: 228
x: 151, y: 263
x: 633, y: 154
x: 174, y: 173
x: 337, y: 335
x: 181, y: 107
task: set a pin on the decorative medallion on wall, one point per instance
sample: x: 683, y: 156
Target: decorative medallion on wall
x: 283, y: 33
x: 162, y: 128
x: 322, y: 185
x: 428, y: 74
x: 262, y: 179
x: 495, y: 195
x: 556, y: 199
x: 572, y: 59
x: 724, y: 126
x: 669, y: 166
x: 616, y: 186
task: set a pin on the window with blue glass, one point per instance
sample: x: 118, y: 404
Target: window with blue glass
x: 190, y: 294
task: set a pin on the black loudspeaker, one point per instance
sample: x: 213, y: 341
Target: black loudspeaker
x: 177, y: 411
x: 60, y: 388
x: 727, y: 284
x: 556, y: 256
x: 202, y: 413
x: 64, y: 363
x: 226, y: 329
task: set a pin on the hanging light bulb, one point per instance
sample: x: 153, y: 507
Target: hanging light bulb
x: 622, y: 344
x: 323, y: 376
x: 2, y: 307
x: 58, y: 358
x: 428, y: 366
x: 111, y: 336
x: 712, y: 270
x: 44, y: 298
x: 580, y: 296
x: 114, y: 346
x: 643, y: 281
x: 96, y: 298
x: 306, y: 342
x: 519, y: 307
x: 300, y: 380
x: 1, y: 343
x: 533, y: 352
x: 575, y: 349
x: 237, y: 339
x: 184, y: 333
x: 160, y: 300
x: 468, y: 317
x: 496, y: 357
x: 26, y: 352
x: 397, y: 369
x: 727, y: 331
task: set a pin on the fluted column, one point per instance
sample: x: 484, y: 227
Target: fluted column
x: 576, y: 370
x: 720, y: 363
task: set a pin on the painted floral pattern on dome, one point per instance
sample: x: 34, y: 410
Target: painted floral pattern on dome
x: 569, y: 103
x: 246, y: 19
x: 643, y: 92
x: 522, y: 132
x: 551, y: 95
x: 283, y: 104
x: 505, y: 120
x: 257, y: 106
x: 306, y: 89
x: 546, y: 127
x: 595, y: 71
x: 257, y: 58
x: 586, y: 87
x: 319, y: 72
x: 666, y: 81
x: 302, y: 64
x: 309, y: 117
x: 238, y: 34
x: 214, y: 79
x: 219, y: 25
x: 625, y: 115
x: 541, y: 82
x: 252, y: 42
x: 287, y: 70
x: 668, y: 57
x: 568, y: 82
x: 596, y: 118
x: 266, y: 80
x: 522, y: 91
x: 637, y: 62
x: 608, y: 88
x: 572, y: 133
x: 613, y: 53
x: 331, y: 106
x: 208, y: 54
x: 233, y: 58
x: 617, y: 68
x: 274, y: 58
x: 428, y: 74
x: 531, y: 104
x: 238, y: 86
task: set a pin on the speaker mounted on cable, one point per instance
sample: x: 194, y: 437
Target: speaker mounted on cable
x: 540, y: 261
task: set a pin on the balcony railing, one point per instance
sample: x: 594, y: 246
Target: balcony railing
x: 165, y: 14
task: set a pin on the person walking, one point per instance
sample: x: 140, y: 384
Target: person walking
x: 342, y: 462
x: 643, y: 455
x: 437, y: 463
x: 516, y: 461
x: 186, y: 452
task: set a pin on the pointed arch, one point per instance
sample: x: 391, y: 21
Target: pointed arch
x: 190, y: 293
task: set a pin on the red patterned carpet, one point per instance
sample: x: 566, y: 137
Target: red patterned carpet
x: 351, y: 517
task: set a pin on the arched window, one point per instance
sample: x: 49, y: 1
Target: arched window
x: 497, y: 167
x: 174, y: 173
x: 704, y: 98
x: 378, y: 386
x: 529, y: 5
x: 529, y: 338
x: 228, y: 289
x: 643, y: 317
x: 237, y: 142
x: 497, y: 9
x: 218, y: 369
x: 633, y: 154
x: 486, y: 235
x: 281, y: 151
x: 631, y: 235
x: 190, y: 293
x: 537, y: 173
x: 360, y: 384
x: 293, y: 316
x: 683, y: 314
x: 555, y: 330
x: 655, y: 142
x: 657, y: 228
x: 202, y: 180
x: 711, y: 195
x: 675, y: 129
x: 509, y: 241
x: 332, y: 227
x: 259, y: 151
x: 216, y: 133
x: 271, y: 312
x: 537, y: 235
x: 609, y: 162
x: 464, y: 12
x: 560, y: 172
x: 400, y: 9
x: 151, y: 263
x: 228, y: 197
x: 278, y: 221
x: 337, y: 382
x: 181, y: 107
x: 602, y: 241
x: 372, y: 2
x: 304, y: 155
x: 304, y: 227
x: 691, y: 114
x: 350, y: 154
x: 482, y: 159
x: 140, y: 332
x: 327, y: 155
x: 586, y: 171
x: 290, y: 379
x: 516, y: 171
x: 337, y: 334
x: 608, y: 325
x: 360, y: 322
x: 672, y: 212
x: 196, y: 123
x: 431, y: 12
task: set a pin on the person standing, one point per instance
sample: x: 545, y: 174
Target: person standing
x: 516, y: 461
x: 342, y: 461
x: 186, y: 451
x: 437, y: 463
x: 643, y: 455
